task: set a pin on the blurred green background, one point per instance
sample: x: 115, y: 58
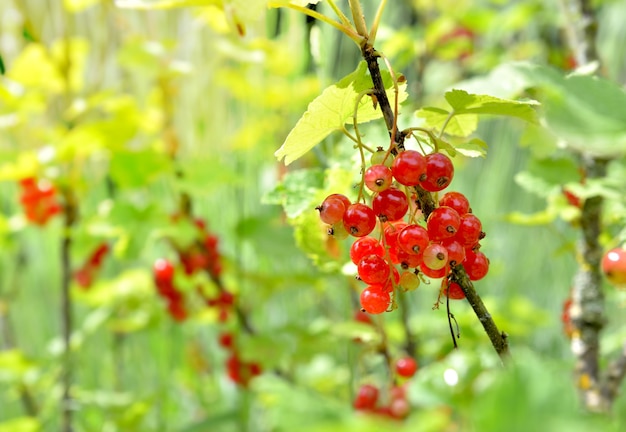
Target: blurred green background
x: 145, y: 79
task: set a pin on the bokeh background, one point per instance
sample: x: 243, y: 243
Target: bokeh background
x: 211, y: 92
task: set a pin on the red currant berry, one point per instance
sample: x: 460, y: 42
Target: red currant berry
x: 457, y: 201
x: 456, y: 251
x: 434, y: 274
x: 378, y: 178
x: 469, y: 231
x: 373, y: 269
x: 405, y: 259
x: 331, y: 210
x: 364, y: 246
x: 177, y: 310
x: 408, y: 167
x: 226, y: 340
x: 406, y: 367
x: 442, y: 223
x: 390, y: 204
x: 614, y: 266
x: 476, y: 265
x: 435, y: 256
x: 391, y: 233
x: 452, y: 290
x: 366, y: 397
x: 163, y: 271
x: 362, y: 317
x: 374, y: 299
x: 439, y: 172
x: 413, y: 239
x: 399, y: 408
x: 359, y: 220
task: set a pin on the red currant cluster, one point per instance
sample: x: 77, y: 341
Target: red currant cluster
x: 202, y: 254
x: 448, y: 236
x: 239, y: 371
x: 164, y: 280
x: 85, y: 275
x: 38, y: 200
x: 397, y: 407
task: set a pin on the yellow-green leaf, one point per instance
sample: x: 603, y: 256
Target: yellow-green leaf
x: 438, y: 118
x: 331, y: 110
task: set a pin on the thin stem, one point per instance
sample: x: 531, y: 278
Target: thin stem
x: 344, y: 19
x: 358, y: 17
x: 348, y: 31
x: 445, y: 124
x: 450, y: 317
x: 359, y: 144
x: 377, y: 18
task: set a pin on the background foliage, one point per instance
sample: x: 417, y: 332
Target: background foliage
x: 98, y: 99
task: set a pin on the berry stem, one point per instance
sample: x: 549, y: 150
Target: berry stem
x: 499, y: 339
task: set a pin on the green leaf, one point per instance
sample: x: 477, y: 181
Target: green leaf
x: 296, y: 190
x: 463, y: 119
x: 438, y: 118
x: 330, y: 111
x: 589, y: 113
x: 585, y: 111
x: 463, y: 102
x: 472, y: 148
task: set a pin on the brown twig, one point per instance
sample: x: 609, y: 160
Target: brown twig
x: 498, y: 339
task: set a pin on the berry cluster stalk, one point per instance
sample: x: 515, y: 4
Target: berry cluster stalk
x: 427, y: 204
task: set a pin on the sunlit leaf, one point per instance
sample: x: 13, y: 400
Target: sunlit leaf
x: 472, y: 148
x: 330, y: 111
x: 438, y: 118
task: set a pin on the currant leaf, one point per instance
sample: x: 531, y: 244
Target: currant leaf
x: 331, y: 110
